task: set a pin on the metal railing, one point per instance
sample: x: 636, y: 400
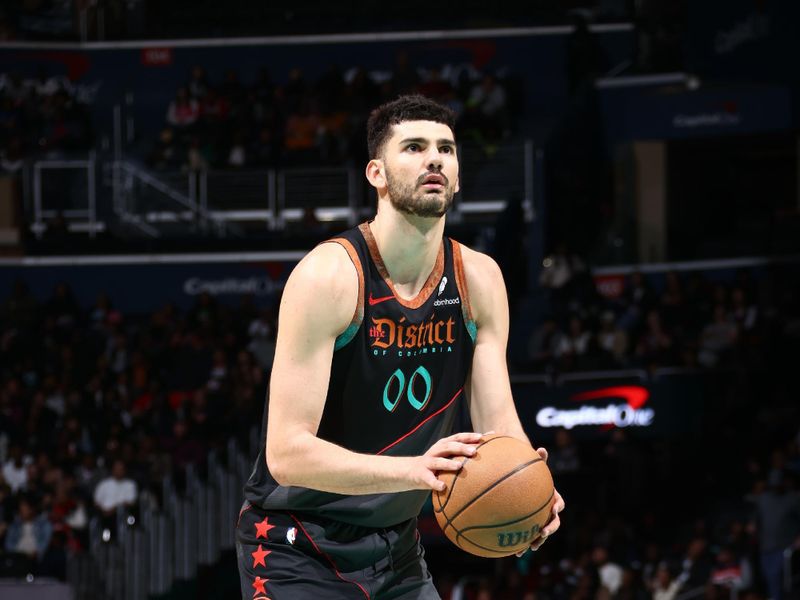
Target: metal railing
x: 59, y: 189
x: 164, y: 544
x: 788, y: 566
x: 146, y: 200
x: 155, y: 203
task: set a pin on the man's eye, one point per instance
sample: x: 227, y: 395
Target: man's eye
x: 413, y: 147
x: 446, y: 149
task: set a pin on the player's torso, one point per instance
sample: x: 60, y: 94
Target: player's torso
x: 397, y: 378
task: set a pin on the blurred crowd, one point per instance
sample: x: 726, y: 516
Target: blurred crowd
x: 675, y: 319
x: 227, y: 123
x: 97, y: 407
x: 41, y: 116
x: 629, y: 534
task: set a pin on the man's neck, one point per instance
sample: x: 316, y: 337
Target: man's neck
x: 408, y: 246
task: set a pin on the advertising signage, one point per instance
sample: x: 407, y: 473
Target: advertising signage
x: 146, y: 286
x: 667, y: 407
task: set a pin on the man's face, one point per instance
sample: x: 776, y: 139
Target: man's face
x: 421, y: 168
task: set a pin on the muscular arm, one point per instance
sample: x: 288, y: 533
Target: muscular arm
x: 317, y: 305
x: 492, y: 405
x: 491, y: 402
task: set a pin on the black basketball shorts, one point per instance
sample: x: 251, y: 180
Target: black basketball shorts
x: 291, y: 556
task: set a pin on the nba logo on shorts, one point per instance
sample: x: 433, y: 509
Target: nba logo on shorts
x: 291, y: 535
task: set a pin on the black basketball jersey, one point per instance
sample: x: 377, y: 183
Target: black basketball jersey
x: 396, y: 383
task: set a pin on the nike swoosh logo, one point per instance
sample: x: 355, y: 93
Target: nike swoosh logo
x: 374, y: 301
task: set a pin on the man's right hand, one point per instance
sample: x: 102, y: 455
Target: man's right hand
x: 442, y: 456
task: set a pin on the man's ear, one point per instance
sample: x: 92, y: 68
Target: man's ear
x: 376, y: 174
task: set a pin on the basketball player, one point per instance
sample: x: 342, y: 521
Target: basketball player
x: 383, y: 333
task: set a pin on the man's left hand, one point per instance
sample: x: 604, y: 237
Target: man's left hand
x: 555, y: 521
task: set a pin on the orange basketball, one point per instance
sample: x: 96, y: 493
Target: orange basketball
x: 499, y: 500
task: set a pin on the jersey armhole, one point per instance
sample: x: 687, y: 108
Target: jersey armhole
x: 463, y: 291
x: 348, y: 334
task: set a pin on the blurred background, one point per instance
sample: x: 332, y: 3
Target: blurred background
x: 633, y: 166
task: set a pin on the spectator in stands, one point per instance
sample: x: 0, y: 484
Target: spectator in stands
x: 434, y: 85
x: 183, y: 111
x: 30, y: 532
x: 115, y: 491
x: 11, y: 157
x: 665, y: 585
x: 486, y: 118
x: 561, y: 270
x: 637, y: 298
x: 405, y: 77
x: 262, y: 338
x: 696, y: 564
x: 184, y: 447
x: 15, y: 469
x: 632, y: 587
x: 573, y: 345
x: 655, y: 346
x: 609, y: 572
x: 200, y: 156
x: 62, y: 306
x: 743, y: 312
x: 671, y: 303
x: 542, y: 345
x: 565, y: 461
x: 730, y: 571
x: 776, y: 521
x: 296, y: 88
x: 302, y: 135
x: 167, y: 153
x: 717, y: 339
x: 612, y: 342
x: 237, y: 154
x: 198, y: 85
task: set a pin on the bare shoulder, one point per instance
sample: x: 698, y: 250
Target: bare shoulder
x: 481, y: 270
x: 484, y: 281
x: 324, y: 286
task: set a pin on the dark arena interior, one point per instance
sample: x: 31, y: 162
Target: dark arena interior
x: 632, y: 167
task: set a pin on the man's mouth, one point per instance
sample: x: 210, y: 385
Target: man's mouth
x: 433, y: 181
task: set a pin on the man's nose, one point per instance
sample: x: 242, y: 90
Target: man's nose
x: 434, y: 159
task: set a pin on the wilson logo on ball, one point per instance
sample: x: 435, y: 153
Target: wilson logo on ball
x: 515, y: 538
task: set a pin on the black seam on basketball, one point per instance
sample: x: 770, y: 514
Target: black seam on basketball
x: 542, y: 507
x: 494, y: 484
x: 452, y: 485
x: 455, y: 474
x: 500, y: 552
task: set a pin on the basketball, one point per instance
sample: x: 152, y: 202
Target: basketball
x: 499, y: 500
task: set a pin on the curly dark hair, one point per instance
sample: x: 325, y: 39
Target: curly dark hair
x: 411, y: 107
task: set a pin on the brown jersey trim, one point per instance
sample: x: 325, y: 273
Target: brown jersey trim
x: 358, y: 315
x: 430, y: 283
x: 461, y: 282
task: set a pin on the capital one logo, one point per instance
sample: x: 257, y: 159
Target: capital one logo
x: 631, y: 413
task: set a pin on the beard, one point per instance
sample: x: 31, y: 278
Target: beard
x: 412, y: 199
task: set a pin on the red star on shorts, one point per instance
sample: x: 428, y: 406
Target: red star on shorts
x: 258, y: 586
x: 259, y: 556
x: 263, y: 527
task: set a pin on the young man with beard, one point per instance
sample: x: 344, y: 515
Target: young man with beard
x: 383, y: 332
